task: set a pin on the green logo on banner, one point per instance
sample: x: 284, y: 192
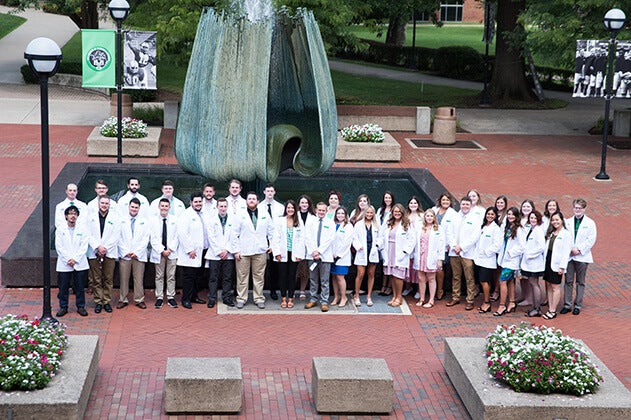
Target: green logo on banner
x: 99, y: 58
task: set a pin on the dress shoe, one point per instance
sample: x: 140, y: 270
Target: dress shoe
x: 141, y: 305
x: 324, y: 307
x: 576, y: 311
x: 229, y: 302
x: 98, y: 308
x: 121, y: 305
x: 172, y: 303
x: 310, y: 305
x: 211, y: 304
x: 61, y: 312
x: 564, y: 311
x: 187, y: 304
x: 82, y: 312
x: 273, y: 295
x: 198, y: 300
x: 453, y: 302
x: 159, y: 303
x: 468, y: 306
x: 107, y: 307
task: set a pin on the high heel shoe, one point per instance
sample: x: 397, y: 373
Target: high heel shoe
x: 500, y: 312
x: 283, y: 303
x: 483, y: 311
x: 510, y: 308
x: 550, y: 315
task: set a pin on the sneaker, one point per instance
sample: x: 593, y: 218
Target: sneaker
x: 240, y: 304
x: 261, y: 305
x: 406, y: 292
x: 172, y: 303
x: 417, y: 295
x: 159, y: 303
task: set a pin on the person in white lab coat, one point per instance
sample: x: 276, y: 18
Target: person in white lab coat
x: 133, y: 186
x: 365, y: 239
x: 190, y: 235
x: 176, y: 207
x: 344, y: 234
x: 428, y: 256
x: 558, y: 248
x: 486, y: 251
x: 70, y: 200
x: 132, y: 254
x: 164, y: 244
x: 288, y: 252
x: 319, y: 236
x: 221, y: 246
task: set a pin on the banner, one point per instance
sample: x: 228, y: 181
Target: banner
x: 98, y: 58
x: 591, y: 69
x: 140, y: 60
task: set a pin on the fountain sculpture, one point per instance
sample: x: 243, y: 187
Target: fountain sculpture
x: 258, y: 97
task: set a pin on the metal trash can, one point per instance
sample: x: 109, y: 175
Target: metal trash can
x: 444, y: 126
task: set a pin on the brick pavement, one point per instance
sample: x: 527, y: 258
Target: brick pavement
x: 276, y: 351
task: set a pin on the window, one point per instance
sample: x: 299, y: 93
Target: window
x: 451, y: 11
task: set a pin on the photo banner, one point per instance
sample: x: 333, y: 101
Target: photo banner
x: 591, y: 69
x: 140, y: 70
x: 98, y: 58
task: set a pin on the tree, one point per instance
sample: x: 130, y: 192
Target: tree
x: 84, y: 13
x: 397, y: 13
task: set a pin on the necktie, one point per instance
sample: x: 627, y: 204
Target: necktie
x: 72, y: 203
x: 164, y: 232
x: 133, y: 221
x: 253, y: 217
x: 319, y: 231
x: 269, y: 209
x: 223, y: 224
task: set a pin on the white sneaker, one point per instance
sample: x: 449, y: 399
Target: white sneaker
x: 417, y: 295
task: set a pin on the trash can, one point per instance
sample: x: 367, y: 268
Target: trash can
x: 444, y: 126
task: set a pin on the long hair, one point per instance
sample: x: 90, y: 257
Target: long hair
x: 294, y: 218
x: 488, y: 209
x: 512, y: 228
x: 420, y: 206
x: 405, y: 222
x: 383, y: 206
x: 341, y: 208
x: 546, y: 212
x: 551, y: 228
x: 435, y: 223
x: 309, y: 200
x: 358, y: 212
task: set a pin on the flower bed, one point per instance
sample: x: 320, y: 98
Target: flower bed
x: 30, y: 352
x: 539, y: 359
x: 367, y: 133
x: 130, y: 127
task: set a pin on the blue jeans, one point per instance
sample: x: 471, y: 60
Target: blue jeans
x: 63, y: 280
x: 319, y: 276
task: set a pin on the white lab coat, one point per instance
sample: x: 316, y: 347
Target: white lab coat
x: 241, y: 205
x: 405, y: 241
x: 342, y: 244
x: 489, y: 245
x: 561, y: 250
x: 251, y: 241
x: 277, y: 208
x: 136, y: 243
x: 155, y: 238
x: 465, y: 233
x: 220, y: 238
x: 511, y: 252
x: 190, y: 235
x: 449, y: 224
x: 533, y: 259
x: 123, y: 205
x: 71, y: 246
x: 60, y: 217
x: 364, y: 256
x: 326, y: 238
x: 280, y: 240
x: 584, y: 240
x: 435, y: 249
x: 110, y: 237
x: 176, y: 209
x: 302, y: 252
x: 93, y: 206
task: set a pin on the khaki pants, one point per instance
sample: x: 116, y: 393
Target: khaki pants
x: 136, y: 269
x: 458, y: 266
x: 103, y: 276
x: 255, y: 263
x: 165, y: 267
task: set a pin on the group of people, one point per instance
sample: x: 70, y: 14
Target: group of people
x: 234, y: 239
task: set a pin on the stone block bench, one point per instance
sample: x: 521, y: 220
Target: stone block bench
x: 351, y: 385
x: 203, y: 385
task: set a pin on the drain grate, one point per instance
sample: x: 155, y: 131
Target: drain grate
x: 459, y: 145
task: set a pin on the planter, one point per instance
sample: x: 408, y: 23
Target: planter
x: 66, y: 396
x: 149, y: 146
x: 387, y: 151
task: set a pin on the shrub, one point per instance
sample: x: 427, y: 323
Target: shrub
x: 459, y: 63
x: 152, y: 115
x: 539, y: 359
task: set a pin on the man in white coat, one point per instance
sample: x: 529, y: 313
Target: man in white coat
x: 236, y: 203
x: 319, y: 235
x: 132, y: 253
x: 177, y: 206
x: 101, y: 189
x: 71, y: 243
x: 104, y: 230
x: 462, y: 251
x: 583, y: 230
x: 164, y: 244
x: 190, y: 234
x: 70, y: 200
x: 274, y: 209
x: 133, y: 186
x: 220, y: 256
x: 254, y: 232
x: 209, y: 204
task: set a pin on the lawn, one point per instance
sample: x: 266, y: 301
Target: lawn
x: 430, y: 36
x: 8, y: 23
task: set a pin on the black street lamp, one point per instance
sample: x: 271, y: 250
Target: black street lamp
x: 119, y: 9
x: 614, y: 21
x: 43, y: 56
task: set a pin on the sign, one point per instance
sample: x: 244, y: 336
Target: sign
x: 591, y: 69
x: 140, y: 60
x: 98, y: 58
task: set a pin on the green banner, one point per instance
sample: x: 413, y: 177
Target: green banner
x: 98, y: 58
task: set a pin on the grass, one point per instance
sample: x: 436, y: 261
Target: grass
x: 72, y: 50
x: 430, y: 36
x: 8, y: 23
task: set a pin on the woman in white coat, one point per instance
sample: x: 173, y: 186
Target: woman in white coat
x: 415, y: 216
x: 341, y: 255
x: 289, y: 251
x: 365, y: 237
x: 305, y: 212
x: 428, y: 256
x: 508, y: 260
x: 396, y: 243
x: 486, y: 252
x: 447, y: 219
x: 383, y: 215
x: 533, y: 261
x: 558, y: 246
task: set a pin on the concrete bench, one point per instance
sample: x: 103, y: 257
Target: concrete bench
x: 203, y: 385
x: 351, y: 385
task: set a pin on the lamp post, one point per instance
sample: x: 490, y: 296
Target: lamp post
x: 119, y: 9
x: 614, y: 21
x: 43, y: 56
